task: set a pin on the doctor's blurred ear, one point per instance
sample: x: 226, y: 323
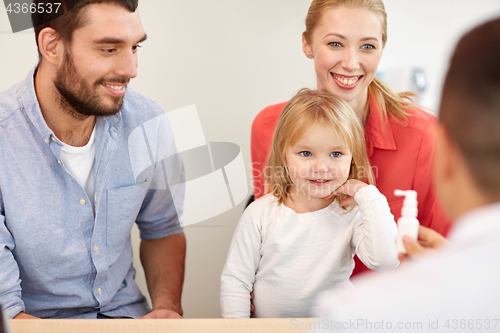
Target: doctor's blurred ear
x: 446, y: 160
x: 454, y: 182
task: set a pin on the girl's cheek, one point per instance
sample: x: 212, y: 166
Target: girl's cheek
x: 345, y: 172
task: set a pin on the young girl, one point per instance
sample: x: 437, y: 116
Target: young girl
x: 300, y: 239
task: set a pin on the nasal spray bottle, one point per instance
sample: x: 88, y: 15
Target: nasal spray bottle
x: 407, y: 223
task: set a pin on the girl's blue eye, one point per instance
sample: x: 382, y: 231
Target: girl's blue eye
x: 368, y: 47
x: 305, y: 153
x: 335, y: 154
x: 335, y: 44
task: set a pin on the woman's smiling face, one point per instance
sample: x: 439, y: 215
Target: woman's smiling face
x: 346, y: 46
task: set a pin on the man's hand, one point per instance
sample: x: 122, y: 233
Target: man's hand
x: 163, y: 262
x: 162, y: 314
x: 22, y: 315
x: 429, y: 241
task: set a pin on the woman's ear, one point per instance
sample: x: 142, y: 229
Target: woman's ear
x: 50, y: 45
x: 307, y: 48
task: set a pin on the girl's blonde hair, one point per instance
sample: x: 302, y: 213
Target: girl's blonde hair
x: 388, y: 101
x: 305, y: 109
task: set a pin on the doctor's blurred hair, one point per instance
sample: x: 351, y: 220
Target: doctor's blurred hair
x: 470, y: 104
x: 69, y: 16
x: 306, y: 109
x: 389, y: 102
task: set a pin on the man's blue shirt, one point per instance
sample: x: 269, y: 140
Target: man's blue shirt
x: 59, y: 257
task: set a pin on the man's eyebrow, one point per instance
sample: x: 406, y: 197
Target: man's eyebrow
x: 113, y: 40
x: 143, y: 39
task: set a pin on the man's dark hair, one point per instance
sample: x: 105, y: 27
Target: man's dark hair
x: 69, y: 16
x: 470, y: 104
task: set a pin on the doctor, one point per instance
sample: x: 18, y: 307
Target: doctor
x: 456, y: 288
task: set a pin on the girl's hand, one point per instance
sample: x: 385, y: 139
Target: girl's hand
x: 349, y: 188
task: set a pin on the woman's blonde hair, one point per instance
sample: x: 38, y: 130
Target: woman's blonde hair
x: 306, y: 109
x: 388, y: 101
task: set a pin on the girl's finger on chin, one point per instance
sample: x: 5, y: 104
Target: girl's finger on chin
x: 348, y: 201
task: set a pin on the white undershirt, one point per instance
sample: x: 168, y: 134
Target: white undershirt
x: 80, y: 163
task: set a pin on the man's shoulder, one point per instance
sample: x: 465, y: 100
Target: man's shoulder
x: 9, y: 101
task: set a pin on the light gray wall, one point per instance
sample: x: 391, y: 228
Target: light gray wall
x: 233, y: 58
x: 423, y: 34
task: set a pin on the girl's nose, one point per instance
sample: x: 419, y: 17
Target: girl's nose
x: 320, y: 165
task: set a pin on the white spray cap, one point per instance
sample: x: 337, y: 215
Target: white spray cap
x: 410, y: 204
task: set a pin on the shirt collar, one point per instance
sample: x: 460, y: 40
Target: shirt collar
x: 378, y: 135
x: 116, y: 120
x: 32, y: 108
x: 476, y: 224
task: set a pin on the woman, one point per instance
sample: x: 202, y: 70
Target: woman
x: 345, y: 38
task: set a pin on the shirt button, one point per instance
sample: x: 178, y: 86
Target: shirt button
x: 46, y: 141
x: 54, y: 139
x: 59, y: 161
x: 96, y: 248
x: 82, y: 202
x: 99, y: 291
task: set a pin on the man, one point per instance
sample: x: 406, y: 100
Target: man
x: 457, y: 287
x: 68, y: 193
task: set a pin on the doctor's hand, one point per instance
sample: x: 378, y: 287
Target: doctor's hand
x: 162, y: 314
x: 428, y: 242
x: 349, y: 188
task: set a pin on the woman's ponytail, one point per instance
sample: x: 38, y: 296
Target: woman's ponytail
x: 390, y: 103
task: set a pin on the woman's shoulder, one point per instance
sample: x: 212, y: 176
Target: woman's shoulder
x: 393, y: 132
x: 419, y: 119
x: 269, y: 113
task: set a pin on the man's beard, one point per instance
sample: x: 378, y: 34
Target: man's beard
x: 79, y: 99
